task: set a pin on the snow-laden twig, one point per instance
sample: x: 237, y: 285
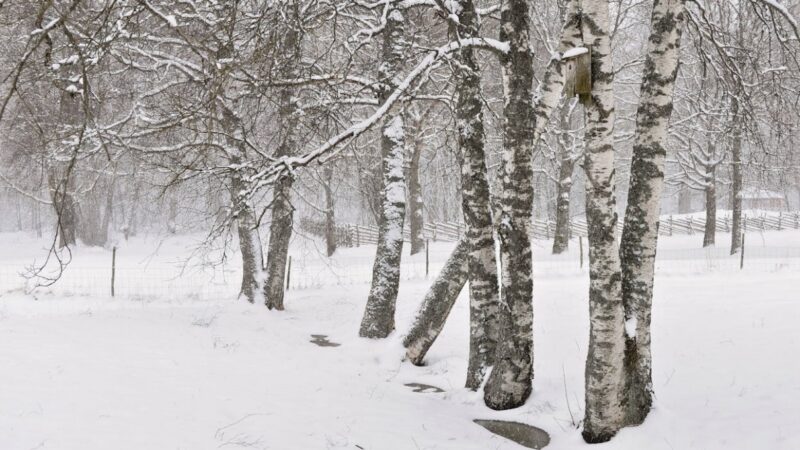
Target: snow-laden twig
x: 286, y: 164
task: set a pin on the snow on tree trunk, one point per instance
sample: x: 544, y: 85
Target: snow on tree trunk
x: 249, y: 240
x: 437, y: 304
x: 330, y: 217
x: 415, y: 201
x: 640, y: 233
x: 509, y: 384
x: 378, y: 320
x: 476, y: 203
x: 282, y: 210
x: 603, y: 414
x: 737, y: 178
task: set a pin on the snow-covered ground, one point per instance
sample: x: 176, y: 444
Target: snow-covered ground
x: 176, y: 363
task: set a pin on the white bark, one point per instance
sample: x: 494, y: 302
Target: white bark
x: 604, y: 414
x: 378, y: 320
x: 640, y: 233
x: 437, y: 305
x: 509, y: 384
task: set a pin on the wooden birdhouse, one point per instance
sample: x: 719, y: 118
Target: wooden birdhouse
x: 578, y: 73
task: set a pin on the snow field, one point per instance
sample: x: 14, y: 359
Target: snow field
x: 175, y: 371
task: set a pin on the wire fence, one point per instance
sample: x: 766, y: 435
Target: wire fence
x: 354, y: 235
x: 353, y: 267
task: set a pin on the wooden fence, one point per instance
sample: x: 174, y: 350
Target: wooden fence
x: 348, y: 235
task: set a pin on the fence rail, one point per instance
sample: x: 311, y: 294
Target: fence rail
x: 350, y: 235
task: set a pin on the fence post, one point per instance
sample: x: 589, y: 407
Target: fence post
x: 289, y: 272
x: 358, y: 237
x: 670, y: 225
x: 780, y: 221
x: 691, y: 226
x: 741, y: 257
x: 113, y: 268
x: 580, y: 248
x: 427, y: 257
x: 434, y: 231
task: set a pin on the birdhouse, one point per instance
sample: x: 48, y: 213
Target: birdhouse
x: 578, y: 73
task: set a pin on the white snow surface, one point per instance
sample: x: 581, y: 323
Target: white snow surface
x: 178, y: 370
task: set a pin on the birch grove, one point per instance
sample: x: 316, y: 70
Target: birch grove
x: 396, y: 126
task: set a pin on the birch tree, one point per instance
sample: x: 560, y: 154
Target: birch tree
x: 437, y: 304
x: 378, y: 320
x: 603, y: 414
x: 640, y: 232
x: 509, y: 384
x: 475, y: 203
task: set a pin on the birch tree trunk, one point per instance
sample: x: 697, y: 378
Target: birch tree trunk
x: 378, y: 320
x: 640, y: 233
x: 282, y: 210
x: 476, y: 203
x: 437, y: 304
x: 509, y: 384
x: 603, y: 414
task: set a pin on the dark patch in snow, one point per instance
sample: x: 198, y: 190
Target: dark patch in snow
x: 321, y: 340
x: 524, y: 435
x: 425, y: 388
